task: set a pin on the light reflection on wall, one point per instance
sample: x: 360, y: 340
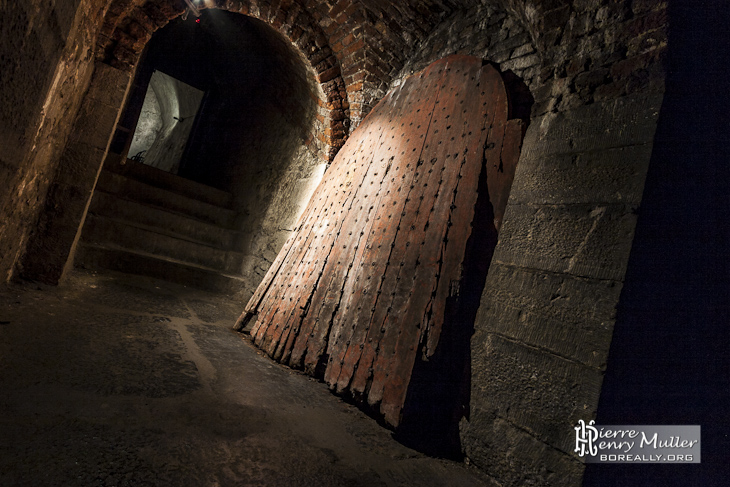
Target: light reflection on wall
x: 165, y: 123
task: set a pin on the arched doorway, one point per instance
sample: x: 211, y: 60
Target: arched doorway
x: 269, y: 124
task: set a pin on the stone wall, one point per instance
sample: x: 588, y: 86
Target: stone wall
x: 595, y: 71
x: 483, y: 31
x: 46, y: 67
x: 49, y: 251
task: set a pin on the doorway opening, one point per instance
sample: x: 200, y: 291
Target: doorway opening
x: 165, y: 122
x: 216, y: 153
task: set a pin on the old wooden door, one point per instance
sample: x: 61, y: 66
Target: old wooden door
x: 358, y: 293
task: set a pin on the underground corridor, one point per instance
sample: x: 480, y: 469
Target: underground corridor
x: 213, y: 158
x: 216, y: 154
x: 359, y: 242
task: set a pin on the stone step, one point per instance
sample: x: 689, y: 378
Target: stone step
x: 131, y: 189
x: 168, y: 181
x: 136, y: 237
x: 111, y: 206
x: 94, y: 256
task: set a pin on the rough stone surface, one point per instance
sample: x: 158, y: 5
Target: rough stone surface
x: 51, y: 244
x: 549, y: 310
x: 483, y: 31
x: 116, y: 381
x: 583, y: 240
x: 47, y: 60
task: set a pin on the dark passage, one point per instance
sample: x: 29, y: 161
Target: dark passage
x: 259, y: 102
x: 243, y: 165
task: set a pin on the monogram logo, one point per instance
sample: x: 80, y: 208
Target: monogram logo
x: 585, y: 437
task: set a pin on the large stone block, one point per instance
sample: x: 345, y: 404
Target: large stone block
x: 627, y: 121
x: 95, y: 123
x: 109, y: 85
x: 80, y: 164
x: 52, y: 241
x: 532, y: 388
x: 570, y: 317
x: 582, y: 240
x: 514, y: 457
x: 606, y: 176
x: 525, y: 403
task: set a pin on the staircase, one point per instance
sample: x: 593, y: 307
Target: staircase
x: 146, y: 221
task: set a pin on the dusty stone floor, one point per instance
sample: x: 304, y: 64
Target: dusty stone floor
x: 114, y: 380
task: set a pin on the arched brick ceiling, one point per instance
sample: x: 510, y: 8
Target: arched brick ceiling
x: 372, y: 39
x: 129, y: 24
x: 356, y: 47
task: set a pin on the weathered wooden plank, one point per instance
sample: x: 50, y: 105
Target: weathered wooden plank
x: 403, y: 330
x: 495, y: 105
x: 396, y: 280
x: 399, y: 285
x: 308, y: 248
x: 317, y: 325
x: 399, y: 281
x: 404, y: 148
x: 303, y: 243
x: 309, y: 269
x: 369, y: 204
x: 312, y: 250
x: 311, y: 211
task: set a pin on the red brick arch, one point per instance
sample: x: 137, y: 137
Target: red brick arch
x: 129, y: 25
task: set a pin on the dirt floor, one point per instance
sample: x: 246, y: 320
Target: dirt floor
x: 114, y: 380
